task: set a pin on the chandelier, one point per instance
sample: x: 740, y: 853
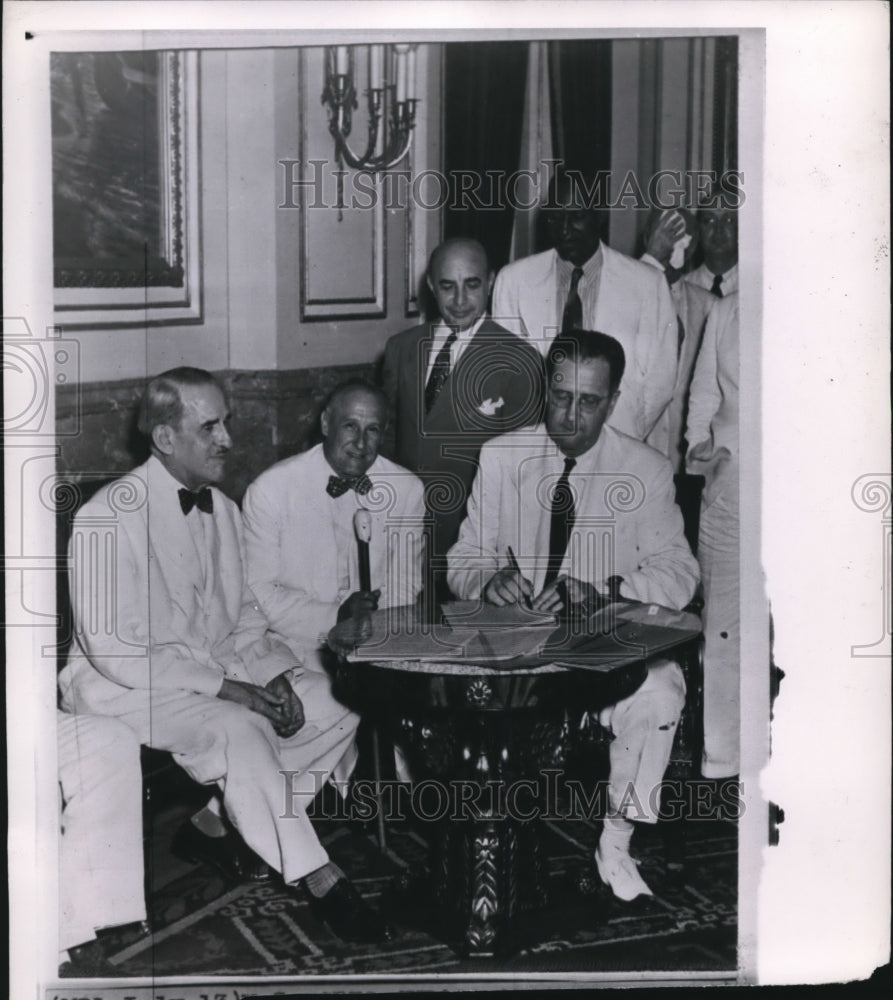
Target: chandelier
x: 390, y: 104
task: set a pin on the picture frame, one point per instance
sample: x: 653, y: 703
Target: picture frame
x: 126, y: 240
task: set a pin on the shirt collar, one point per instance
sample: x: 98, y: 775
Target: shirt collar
x: 733, y: 270
x: 327, y: 470
x: 588, y: 460
x: 161, y: 474
x: 462, y: 336
x: 591, y: 267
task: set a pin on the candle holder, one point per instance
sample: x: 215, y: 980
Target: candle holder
x: 388, y: 104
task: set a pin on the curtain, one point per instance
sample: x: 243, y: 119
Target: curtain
x: 580, y: 83
x: 484, y: 106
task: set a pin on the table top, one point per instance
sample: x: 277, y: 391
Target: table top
x: 638, y: 632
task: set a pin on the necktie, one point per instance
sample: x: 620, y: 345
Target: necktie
x: 440, y: 372
x: 337, y: 486
x: 716, y: 287
x: 680, y: 334
x: 202, y: 499
x: 572, y: 318
x: 563, y: 516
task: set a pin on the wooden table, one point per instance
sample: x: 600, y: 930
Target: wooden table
x: 485, y: 744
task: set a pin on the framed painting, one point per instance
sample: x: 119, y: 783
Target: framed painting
x: 126, y: 242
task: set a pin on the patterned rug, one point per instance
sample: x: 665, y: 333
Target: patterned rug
x: 205, y: 925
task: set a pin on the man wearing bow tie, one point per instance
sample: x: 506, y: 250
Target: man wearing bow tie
x: 170, y: 640
x: 299, y: 527
x: 455, y: 384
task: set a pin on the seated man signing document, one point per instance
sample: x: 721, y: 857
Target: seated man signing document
x: 587, y: 511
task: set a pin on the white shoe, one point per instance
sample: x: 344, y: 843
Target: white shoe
x: 618, y: 870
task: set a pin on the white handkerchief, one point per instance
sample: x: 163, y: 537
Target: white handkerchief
x: 490, y: 406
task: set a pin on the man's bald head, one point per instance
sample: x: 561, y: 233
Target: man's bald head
x: 460, y: 279
x: 352, y: 421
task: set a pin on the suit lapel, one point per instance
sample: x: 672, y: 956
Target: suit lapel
x: 541, y: 302
x: 222, y: 596
x: 447, y: 406
x: 322, y: 544
x: 607, y: 308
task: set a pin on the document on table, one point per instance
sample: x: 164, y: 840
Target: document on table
x: 480, y: 615
x: 399, y: 634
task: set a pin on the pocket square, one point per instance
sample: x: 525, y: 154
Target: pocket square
x: 490, y: 406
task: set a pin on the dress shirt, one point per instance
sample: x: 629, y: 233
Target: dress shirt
x: 440, y: 334
x: 346, y: 561
x: 200, y: 525
x: 587, y: 287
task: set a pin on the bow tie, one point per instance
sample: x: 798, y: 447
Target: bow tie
x: 201, y: 499
x: 338, y: 486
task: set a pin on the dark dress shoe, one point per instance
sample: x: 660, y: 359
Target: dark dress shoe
x: 88, y: 961
x: 123, y: 935
x: 345, y: 913
x: 229, y: 854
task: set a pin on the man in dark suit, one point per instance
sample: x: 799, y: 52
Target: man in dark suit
x: 455, y: 384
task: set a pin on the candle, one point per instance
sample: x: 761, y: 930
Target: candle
x: 375, y: 61
x: 410, y: 73
x: 401, y: 74
x: 341, y: 60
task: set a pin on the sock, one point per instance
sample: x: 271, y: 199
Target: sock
x: 617, y: 833
x: 209, y: 822
x: 319, y: 882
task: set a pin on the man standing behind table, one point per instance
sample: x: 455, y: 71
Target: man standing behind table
x: 299, y: 526
x: 190, y: 665
x: 583, y: 284
x: 547, y: 494
x: 718, y: 230
x: 713, y: 432
x: 671, y: 237
x: 456, y: 384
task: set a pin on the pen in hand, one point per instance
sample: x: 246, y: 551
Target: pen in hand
x: 513, y: 562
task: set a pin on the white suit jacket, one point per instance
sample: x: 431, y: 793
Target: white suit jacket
x: 633, y: 305
x: 692, y: 305
x: 713, y: 398
x: 291, y: 546
x: 145, y: 616
x: 627, y: 522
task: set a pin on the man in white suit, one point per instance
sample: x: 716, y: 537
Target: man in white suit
x: 302, y: 553
x: 583, y: 284
x: 671, y: 237
x: 713, y: 433
x: 560, y: 496
x: 171, y: 641
x: 718, y: 230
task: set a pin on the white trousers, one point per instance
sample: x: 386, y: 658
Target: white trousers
x: 101, y: 847
x: 267, y: 782
x: 718, y: 554
x: 644, y: 726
